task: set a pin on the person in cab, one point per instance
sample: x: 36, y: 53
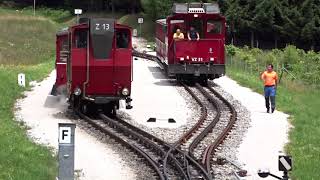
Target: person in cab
x: 193, y: 34
x: 178, y: 35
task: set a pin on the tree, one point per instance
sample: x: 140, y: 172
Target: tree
x: 310, y: 22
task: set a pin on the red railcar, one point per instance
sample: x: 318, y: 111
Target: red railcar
x: 94, y: 64
x: 192, y: 59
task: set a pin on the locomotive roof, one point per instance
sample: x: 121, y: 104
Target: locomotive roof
x: 162, y: 21
x: 63, y: 31
x: 186, y: 8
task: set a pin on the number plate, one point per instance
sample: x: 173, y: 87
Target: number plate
x: 196, y: 59
x: 101, y: 26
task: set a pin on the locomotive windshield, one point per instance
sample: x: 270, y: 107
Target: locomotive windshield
x: 102, y: 33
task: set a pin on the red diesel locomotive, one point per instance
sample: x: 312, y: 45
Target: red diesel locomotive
x: 94, y: 64
x: 186, y: 59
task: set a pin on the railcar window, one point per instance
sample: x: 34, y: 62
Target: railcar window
x: 64, y: 50
x: 65, y: 45
x: 164, y: 29
x: 80, y: 38
x: 214, y: 27
x: 122, y: 39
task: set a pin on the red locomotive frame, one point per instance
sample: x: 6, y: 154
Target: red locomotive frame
x: 96, y: 74
x: 191, y: 59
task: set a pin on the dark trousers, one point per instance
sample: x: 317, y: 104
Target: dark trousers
x: 271, y: 99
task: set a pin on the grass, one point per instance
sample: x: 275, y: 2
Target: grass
x: 57, y: 15
x: 302, y: 103
x: 26, y: 46
x: 20, y: 158
x: 25, y: 39
x: 147, y: 28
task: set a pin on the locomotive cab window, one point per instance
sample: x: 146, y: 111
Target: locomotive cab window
x: 197, y: 24
x: 123, y: 39
x: 178, y: 24
x: 214, y: 26
x: 80, y: 38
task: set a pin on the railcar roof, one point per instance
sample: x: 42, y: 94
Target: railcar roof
x: 63, y: 31
x: 162, y: 21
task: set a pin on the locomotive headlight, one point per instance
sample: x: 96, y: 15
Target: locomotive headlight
x: 211, y: 59
x: 182, y: 59
x: 77, y: 91
x: 125, y: 91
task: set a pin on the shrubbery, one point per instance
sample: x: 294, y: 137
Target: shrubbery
x: 303, y: 65
x: 58, y: 15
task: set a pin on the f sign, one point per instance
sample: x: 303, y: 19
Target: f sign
x: 65, y: 135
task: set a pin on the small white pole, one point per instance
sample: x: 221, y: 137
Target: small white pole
x: 22, y: 80
x: 34, y: 7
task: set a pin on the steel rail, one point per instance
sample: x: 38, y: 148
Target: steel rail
x: 159, y: 148
x: 133, y: 147
x: 212, y: 124
x: 202, y: 118
x: 210, y: 149
x: 174, y: 151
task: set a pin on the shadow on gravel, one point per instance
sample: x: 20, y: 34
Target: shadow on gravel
x: 166, y: 82
x: 155, y: 69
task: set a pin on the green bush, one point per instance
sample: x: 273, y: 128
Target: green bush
x: 231, y: 50
x: 58, y: 15
x: 303, y: 65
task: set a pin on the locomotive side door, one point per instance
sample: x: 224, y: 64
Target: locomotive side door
x: 62, y: 55
x: 77, y: 65
x: 123, y: 58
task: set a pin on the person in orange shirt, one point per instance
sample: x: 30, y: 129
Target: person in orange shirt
x: 270, y: 79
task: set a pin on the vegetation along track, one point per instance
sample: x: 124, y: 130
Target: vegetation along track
x: 167, y: 161
x: 215, y: 121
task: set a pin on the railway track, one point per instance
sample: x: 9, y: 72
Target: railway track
x: 167, y: 161
x: 217, y: 115
x: 217, y: 119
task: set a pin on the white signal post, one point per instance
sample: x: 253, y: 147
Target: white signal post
x: 77, y: 12
x: 34, y: 7
x: 140, y: 21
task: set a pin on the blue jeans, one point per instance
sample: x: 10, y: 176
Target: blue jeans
x: 270, y: 95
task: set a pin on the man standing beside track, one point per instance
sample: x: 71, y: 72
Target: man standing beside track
x: 270, y: 79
